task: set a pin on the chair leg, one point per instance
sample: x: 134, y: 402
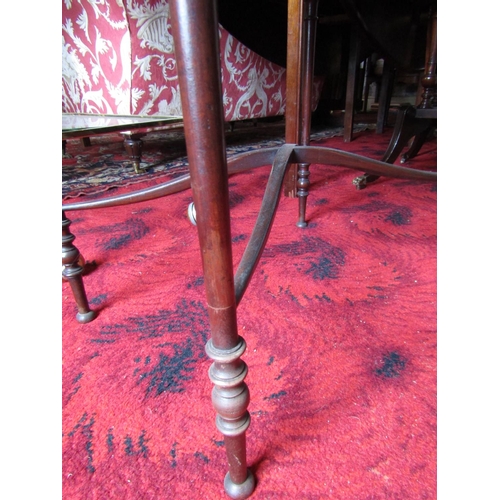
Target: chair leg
x: 352, y: 77
x: 194, y: 26
x: 416, y: 145
x: 385, y: 96
x: 72, y: 272
x: 406, y: 127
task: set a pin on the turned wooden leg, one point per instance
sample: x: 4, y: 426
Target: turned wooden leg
x: 308, y: 51
x: 303, y: 184
x: 133, y: 145
x: 300, y: 61
x: 195, y: 30
x: 72, y: 272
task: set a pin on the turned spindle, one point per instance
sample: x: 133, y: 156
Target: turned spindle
x: 307, y: 42
x: 200, y: 85
x: 72, y: 272
x: 133, y: 146
x: 429, y: 81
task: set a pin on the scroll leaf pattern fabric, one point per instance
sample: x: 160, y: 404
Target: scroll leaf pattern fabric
x: 118, y: 58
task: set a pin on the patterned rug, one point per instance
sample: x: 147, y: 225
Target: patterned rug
x: 105, y: 164
x: 340, y: 323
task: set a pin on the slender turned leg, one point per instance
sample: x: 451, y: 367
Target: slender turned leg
x: 302, y: 20
x: 133, y: 146
x: 294, y: 74
x: 352, y: 76
x: 303, y: 184
x: 195, y: 30
x: 309, y: 42
x: 72, y: 271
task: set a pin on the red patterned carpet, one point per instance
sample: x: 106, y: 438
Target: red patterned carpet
x: 340, y: 323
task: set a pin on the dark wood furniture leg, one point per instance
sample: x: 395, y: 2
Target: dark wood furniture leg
x: 133, y: 147
x: 385, y: 96
x: 307, y: 50
x: 195, y: 30
x: 302, y: 22
x: 72, y: 272
x: 293, y: 88
x: 352, y: 76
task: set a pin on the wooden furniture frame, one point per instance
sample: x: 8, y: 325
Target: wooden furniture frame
x: 194, y: 24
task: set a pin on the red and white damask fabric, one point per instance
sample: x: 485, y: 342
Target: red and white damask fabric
x: 118, y: 58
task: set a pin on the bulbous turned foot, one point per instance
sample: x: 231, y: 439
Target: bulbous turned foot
x: 86, y: 317
x: 239, y: 491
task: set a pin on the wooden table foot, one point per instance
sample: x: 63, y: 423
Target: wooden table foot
x: 133, y: 146
x: 72, y: 272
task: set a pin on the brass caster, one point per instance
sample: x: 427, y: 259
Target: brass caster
x: 360, y: 182
x: 192, y: 213
x: 138, y: 169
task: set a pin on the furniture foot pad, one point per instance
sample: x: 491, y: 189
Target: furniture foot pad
x: 239, y: 491
x: 86, y: 317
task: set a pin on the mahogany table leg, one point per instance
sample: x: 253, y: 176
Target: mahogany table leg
x: 308, y: 46
x: 294, y: 75
x: 72, y: 272
x: 195, y: 30
x: 133, y: 146
x: 302, y: 21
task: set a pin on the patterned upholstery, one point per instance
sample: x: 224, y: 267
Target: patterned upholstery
x: 118, y: 58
